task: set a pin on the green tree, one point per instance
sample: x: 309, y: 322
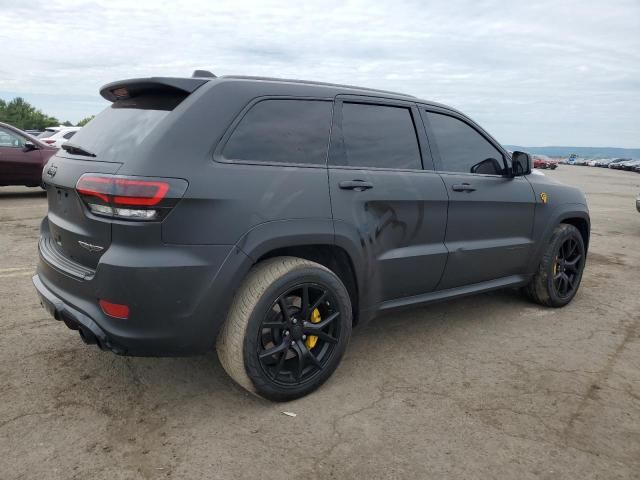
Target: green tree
x: 84, y: 121
x: 23, y: 115
x: 68, y: 124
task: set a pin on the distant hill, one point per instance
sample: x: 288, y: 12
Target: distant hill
x: 587, y: 152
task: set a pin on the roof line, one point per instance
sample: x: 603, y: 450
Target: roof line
x: 311, y: 82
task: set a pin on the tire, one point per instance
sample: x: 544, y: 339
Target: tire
x: 547, y: 285
x: 256, y: 325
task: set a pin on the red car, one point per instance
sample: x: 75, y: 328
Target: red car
x: 22, y: 157
x: 544, y: 163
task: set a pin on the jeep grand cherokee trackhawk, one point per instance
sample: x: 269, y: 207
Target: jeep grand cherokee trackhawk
x: 268, y: 217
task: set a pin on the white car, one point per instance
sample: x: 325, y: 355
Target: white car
x: 56, y: 136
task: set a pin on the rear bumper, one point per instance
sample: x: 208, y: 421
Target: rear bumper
x: 178, y: 296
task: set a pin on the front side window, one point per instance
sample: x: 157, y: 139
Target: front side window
x: 282, y: 131
x: 10, y: 139
x: 378, y: 136
x: 462, y: 148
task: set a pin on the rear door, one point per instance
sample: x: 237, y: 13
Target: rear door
x: 490, y: 216
x: 382, y: 196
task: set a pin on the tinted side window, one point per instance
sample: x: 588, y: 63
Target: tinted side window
x: 462, y: 148
x: 282, y: 131
x: 378, y: 136
x: 69, y: 135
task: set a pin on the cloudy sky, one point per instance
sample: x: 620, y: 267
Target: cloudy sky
x: 535, y: 73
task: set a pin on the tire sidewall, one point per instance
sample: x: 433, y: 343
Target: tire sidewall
x: 302, y: 274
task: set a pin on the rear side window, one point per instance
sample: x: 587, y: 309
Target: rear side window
x: 282, y: 131
x: 68, y: 135
x: 462, y: 148
x: 378, y: 136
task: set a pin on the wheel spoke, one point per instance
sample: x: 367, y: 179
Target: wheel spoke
x: 282, y: 302
x: 283, y: 357
x: 321, y: 335
x: 320, y: 299
x: 315, y: 327
x: 283, y: 347
x: 573, y: 264
x: 305, y: 303
x: 305, y: 357
x: 300, y: 360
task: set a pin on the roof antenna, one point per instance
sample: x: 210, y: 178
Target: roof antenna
x: 202, y: 74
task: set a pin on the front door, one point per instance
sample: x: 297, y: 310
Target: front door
x: 383, y: 198
x: 490, y: 217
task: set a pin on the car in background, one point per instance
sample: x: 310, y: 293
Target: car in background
x: 57, y: 136
x: 544, y: 163
x: 603, y: 162
x: 22, y: 157
x: 630, y: 165
x: 617, y: 163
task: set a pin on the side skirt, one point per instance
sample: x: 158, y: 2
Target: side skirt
x: 440, y: 295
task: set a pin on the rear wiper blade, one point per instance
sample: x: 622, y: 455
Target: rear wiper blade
x: 77, y: 150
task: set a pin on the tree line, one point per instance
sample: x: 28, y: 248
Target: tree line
x: 21, y: 114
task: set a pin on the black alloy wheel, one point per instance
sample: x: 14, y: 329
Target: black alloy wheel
x: 567, y: 268
x: 298, y: 334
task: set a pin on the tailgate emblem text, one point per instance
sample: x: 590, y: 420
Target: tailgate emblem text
x: 51, y: 171
x: 90, y: 247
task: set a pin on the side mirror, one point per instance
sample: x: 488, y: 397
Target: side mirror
x: 520, y: 164
x: 28, y: 147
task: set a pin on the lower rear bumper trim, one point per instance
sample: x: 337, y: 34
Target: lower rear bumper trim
x: 89, y: 330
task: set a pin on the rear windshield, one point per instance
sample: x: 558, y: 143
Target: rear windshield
x: 47, y: 133
x: 114, y: 134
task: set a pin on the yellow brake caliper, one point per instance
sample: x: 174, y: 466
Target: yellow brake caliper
x: 311, y: 340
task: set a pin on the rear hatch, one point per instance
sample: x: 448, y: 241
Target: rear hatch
x: 73, y: 237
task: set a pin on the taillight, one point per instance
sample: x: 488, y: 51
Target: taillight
x: 131, y: 198
x: 49, y: 142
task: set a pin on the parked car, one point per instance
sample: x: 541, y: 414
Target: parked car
x: 57, y: 136
x: 617, y: 163
x: 544, y: 163
x: 268, y: 217
x: 603, y: 162
x: 630, y: 165
x: 22, y: 157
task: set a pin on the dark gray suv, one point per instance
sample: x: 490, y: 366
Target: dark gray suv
x: 268, y: 217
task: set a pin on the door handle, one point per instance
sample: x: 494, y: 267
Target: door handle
x: 357, y: 185
x: 463, y: 187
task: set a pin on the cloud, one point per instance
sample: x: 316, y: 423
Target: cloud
x: 533, y: 73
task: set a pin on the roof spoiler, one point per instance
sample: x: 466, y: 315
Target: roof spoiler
x: 134, y: 86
